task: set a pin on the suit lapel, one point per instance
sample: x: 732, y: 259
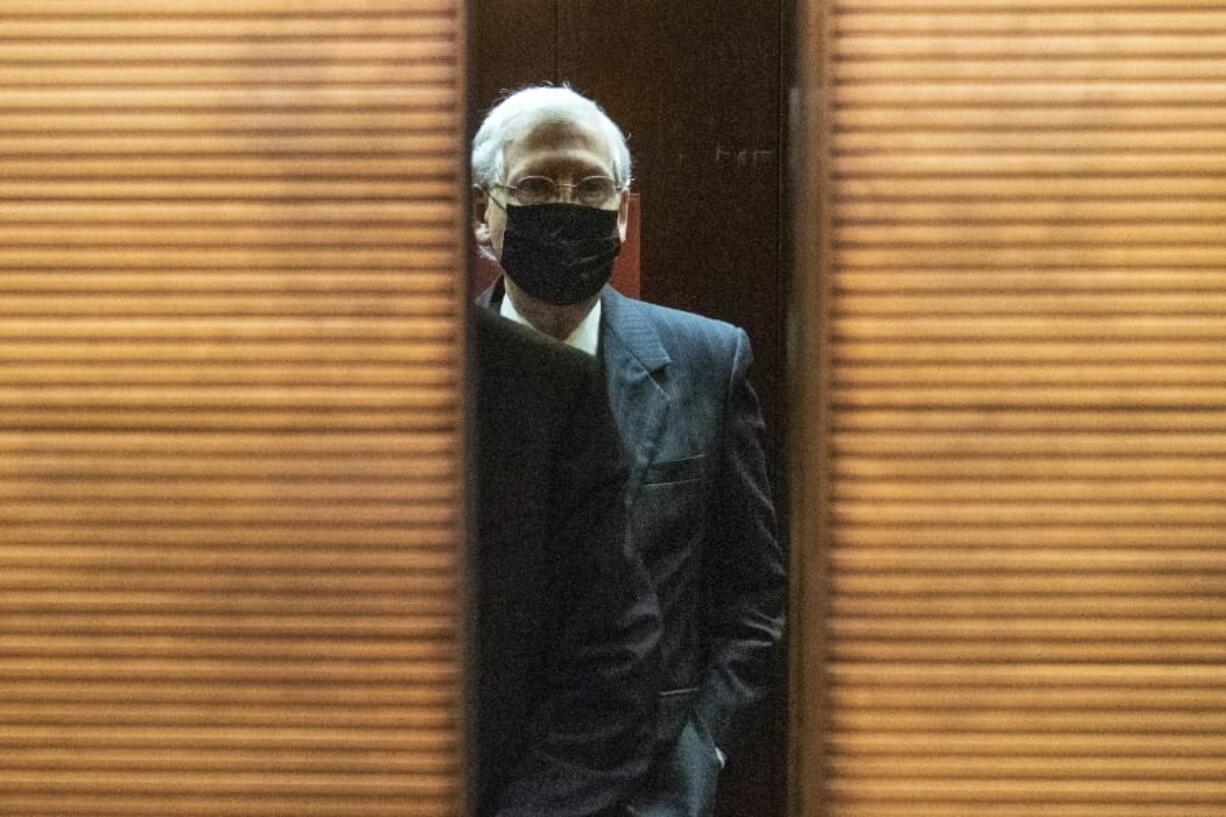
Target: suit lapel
x: 635, y: 365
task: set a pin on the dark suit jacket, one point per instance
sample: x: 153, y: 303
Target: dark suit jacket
x: 702, y: 519
x: 567, y: 624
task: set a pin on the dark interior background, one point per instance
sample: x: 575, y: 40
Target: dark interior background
x: 701, y: 90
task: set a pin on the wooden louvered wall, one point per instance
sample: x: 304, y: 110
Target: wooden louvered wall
x: 1013, y: 590
x: 230, y: 407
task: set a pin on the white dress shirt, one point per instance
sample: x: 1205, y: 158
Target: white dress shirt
x: 585, y: 337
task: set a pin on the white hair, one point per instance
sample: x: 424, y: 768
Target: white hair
x: 528, y: 106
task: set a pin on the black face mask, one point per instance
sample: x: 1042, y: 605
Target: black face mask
x: 560, y: 253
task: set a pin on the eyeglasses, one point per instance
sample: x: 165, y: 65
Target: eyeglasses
x: 590, y: 192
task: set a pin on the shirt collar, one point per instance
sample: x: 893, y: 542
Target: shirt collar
x: 585, y: 337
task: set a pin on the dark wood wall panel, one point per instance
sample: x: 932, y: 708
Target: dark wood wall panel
x: 513, y: 44
x: 231, y: 359
x: 697, y: 87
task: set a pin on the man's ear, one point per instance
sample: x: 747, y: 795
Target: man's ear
x: 481, y: 227
x: 623, y: 216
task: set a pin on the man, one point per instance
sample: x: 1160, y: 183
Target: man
x: 551, y: 173
x: 567, y: 624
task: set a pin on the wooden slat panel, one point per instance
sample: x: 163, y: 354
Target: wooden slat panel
x: 1016, y: 525
x: 231, y: 366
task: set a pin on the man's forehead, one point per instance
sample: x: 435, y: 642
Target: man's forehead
x: 558, y: 131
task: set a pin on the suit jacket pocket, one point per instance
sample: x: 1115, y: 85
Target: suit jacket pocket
x: 674, y: 710
x: 682, y: 470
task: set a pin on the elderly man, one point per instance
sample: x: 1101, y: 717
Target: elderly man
x: 550, y: 173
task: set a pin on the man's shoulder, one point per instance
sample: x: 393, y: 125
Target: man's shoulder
x: 677, y: 318
x: 681, y: 332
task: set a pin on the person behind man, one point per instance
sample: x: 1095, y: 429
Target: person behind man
x: 567, y: 623
x: 551, y: 172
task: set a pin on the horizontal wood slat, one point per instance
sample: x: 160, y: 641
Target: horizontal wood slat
x: 1010, y: 809
x: 427, y: 98
x: 253, y: 23
x: 241, y: 8
x: 1021, y: 6
x: 65, y: 123
x: 1021, y: 43
x: 231, y: 393
x: 1022, y: 21
x: 1055, y: 188
x: 223, y: 49
x: 1101, y: 66
x: 1171, y: 140
x: 1023, y: 261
